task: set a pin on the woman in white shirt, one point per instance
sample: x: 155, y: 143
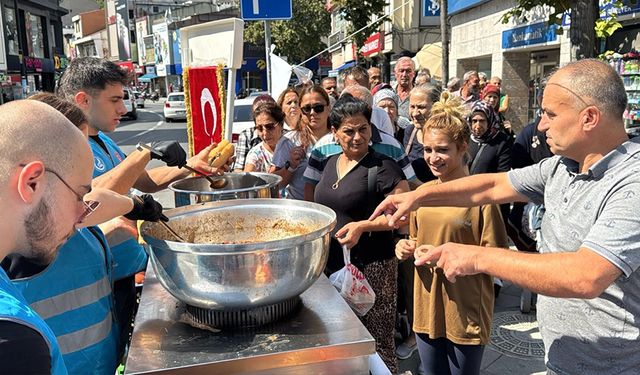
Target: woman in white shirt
x: 269, y: 119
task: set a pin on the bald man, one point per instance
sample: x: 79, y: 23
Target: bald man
x: 45, y: 170
x: 586, y: 274
x: 375, y: 76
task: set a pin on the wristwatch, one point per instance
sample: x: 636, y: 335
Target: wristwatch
x: 142, y: 147
x: 287, y: 165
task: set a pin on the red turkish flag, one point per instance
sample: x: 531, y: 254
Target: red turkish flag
x: 206, y: 122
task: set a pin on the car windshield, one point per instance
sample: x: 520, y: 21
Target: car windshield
x: 176, y: 98
x: 242, y: 113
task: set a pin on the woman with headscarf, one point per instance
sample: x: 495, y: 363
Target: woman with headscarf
x: 489, y: 149
x: 388, y: 100
x: 490, y: 94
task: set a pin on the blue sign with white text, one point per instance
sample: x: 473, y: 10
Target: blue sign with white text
x: 265, y: 10
x: 536, y: 33
x: 430, y: 8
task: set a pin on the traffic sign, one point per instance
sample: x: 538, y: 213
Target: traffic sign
x: 265, y: 10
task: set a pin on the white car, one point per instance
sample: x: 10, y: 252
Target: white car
x: 130, y: 103
x: 242, y: 116
x: 174, y: 108
x: 137, y: 95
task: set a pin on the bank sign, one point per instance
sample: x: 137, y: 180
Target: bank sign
x: 537, y: 33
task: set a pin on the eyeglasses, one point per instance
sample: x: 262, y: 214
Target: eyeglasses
x: 268, y: 127
x: 89, y: 206
x: 317, y: 108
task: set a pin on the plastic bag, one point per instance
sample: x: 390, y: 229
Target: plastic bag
x: 353, y: 286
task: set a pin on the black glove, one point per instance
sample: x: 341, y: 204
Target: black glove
x: 146, y: 208
x: 169, y: 152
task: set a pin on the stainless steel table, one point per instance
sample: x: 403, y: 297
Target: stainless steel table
x: 322, y: 337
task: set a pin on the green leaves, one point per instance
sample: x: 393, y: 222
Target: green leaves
x: 360, y: 13
x: 606, y: 27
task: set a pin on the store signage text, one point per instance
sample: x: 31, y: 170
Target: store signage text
x: 537, y: 33
x: 372, y: 45
x: 33, y: 64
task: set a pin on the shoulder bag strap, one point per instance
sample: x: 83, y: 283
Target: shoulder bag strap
x: 407, y: 148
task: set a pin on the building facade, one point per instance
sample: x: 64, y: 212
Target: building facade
x: 89, y: 36
x: 521, y: 53
x: 33, y: 47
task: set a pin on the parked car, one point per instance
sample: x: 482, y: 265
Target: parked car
x: 174, y: 108
x: 129, y: 102
x: 137, y: 95
x: 242, y: 116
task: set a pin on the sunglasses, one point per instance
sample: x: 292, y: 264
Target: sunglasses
x: 317, y: 108
x: 268, y: 127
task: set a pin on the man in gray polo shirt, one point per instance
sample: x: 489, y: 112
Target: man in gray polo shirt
x: 587, y: 273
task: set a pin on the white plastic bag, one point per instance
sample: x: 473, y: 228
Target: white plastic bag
x: 353, y: 286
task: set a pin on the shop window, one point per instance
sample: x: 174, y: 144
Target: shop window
x: 11, y: 30
x: 35, y: 35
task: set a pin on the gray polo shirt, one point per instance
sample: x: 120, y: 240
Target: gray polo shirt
x: 599, y: 210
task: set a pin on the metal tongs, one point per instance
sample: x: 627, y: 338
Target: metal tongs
x: 163, y: 220
x: 218, y: 183
x: 173, y: 232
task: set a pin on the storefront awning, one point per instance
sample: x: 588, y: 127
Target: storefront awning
x: 147, y: 77
x: 346, y: 65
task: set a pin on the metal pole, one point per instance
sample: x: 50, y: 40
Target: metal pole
x: 267, y: 47
x: 231, y: 95
x: 444, y: 30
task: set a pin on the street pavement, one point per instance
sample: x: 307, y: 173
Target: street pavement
x: 516, y: 347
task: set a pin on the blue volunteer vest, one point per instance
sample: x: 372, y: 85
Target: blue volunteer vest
x: 13, y: 307
x: 128, y: 257
x: 74, y: 297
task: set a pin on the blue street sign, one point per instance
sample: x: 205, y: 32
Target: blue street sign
x: 265, y: 10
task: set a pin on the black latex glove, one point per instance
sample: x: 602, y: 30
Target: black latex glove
x: 169, y: 152
x: 146, y: 208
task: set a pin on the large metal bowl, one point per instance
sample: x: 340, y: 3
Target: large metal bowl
x: 195, y: 190
x: 238, y: 276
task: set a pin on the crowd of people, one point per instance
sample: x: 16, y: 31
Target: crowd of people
x: 421, y: 180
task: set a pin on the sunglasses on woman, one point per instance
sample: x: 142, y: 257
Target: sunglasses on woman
x: 317, y: 108
x: 268, y: 127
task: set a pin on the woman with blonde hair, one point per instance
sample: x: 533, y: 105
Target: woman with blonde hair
x: 452, y: 321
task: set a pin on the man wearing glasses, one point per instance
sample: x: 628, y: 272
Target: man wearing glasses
x: 41, y: 211
x: 586, y: 274
x: 96, y: 86
x: 405, y: 72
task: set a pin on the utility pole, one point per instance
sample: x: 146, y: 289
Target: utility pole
x: 267, y: 47
x: 444, y: 31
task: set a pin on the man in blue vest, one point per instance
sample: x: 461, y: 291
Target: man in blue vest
x: 96, y: 86
x: 73, y: 292
x: 41, y: 196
